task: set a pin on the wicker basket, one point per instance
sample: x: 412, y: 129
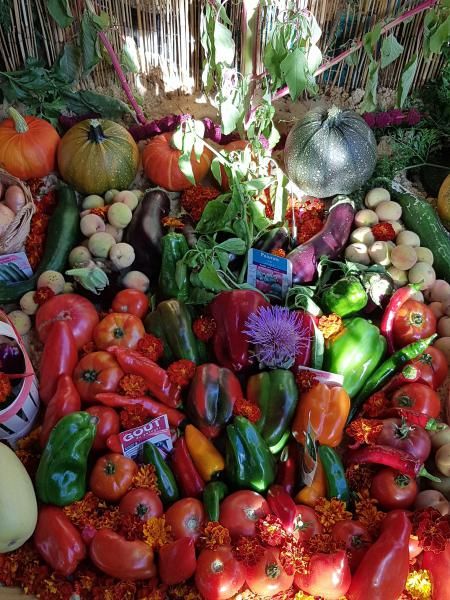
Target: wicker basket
x: 14, y: 237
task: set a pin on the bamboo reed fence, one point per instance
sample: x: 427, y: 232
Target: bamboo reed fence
x: 163, y: 37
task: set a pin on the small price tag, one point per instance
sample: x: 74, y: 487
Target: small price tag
x: 270, y: 274
x: 156, y: 432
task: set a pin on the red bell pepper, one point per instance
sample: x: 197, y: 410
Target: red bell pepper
x: 58, y: 541
x: 384, y: 568
x: 156, y: 409
x: 59, y: 357
x: 328, y: 576
x: 65, y: 401
x: 156, y: 378
x: 231, y: 311
x: 438, y: 564
x: 117, y: 557
x: 289, y: 467
x: 187, y: 476
x: 282, y: 506
x: 177, y: 561
x: 212, y: 395
x: 306, y: 323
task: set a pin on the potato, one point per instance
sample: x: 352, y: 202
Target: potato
x: 389, y: 211
x: 443, y: 344
x: 403, y: 257
x: 432, y: 498
x: 408, y: 238
x: 362, y: 235
x: 91, y: 224
x: 396, y: 226
x: 28, y: 305
x: 21, y: 321
x: 437, y: 309
x: 440, y: 291
x: 136, y: 280
x: 441, y: 437
x: 422, y: 274
x: 366, y: 217
x: 380, y: 253
x: 376, y: 196
x: 443, y: 327
x: 357, y: 253
x: 51, y: 279
x: 15, y: 198
x: 424, y: 255
x: 442, y: 460
x: 6, y: 217
x: 399, y: 277
x: 92, y: 201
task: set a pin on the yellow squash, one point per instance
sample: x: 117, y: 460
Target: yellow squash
x: 18, y: 506
x: 443, y: 204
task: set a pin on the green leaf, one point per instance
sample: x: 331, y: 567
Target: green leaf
x: 198, y: 148
x: 90, y: 45
x: 257, y: 185
x: 84, y: 101
x: 223, y: 259
x: 210, y: 279
x: 177, y: 138
x: 314, y: 58
x: 257, y: 213
x: 199, y: 296
x: 352, y: 59
x: 67, y: 65
x: 230, y: 115
x: 294, y: 68
x: 101, y: 21
x: 440, y: 37
x: 60, y: 11
x: 370, y: 40
x: 369, y: 103
x: 390, y: 50
x: 212, y: 215
x: 216, y: 170
x: 406, y: 80
x: 224, y: 44
x: 127, y: 61
x: 184, y: 162
x: 233, y: 246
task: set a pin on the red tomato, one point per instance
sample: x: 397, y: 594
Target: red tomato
x: 186, y: 518
x: 111, y: 476
x: 418, y: 397
x: 268, y: 577
x: 356, y: 538
x: 108, y: 424
x: 328, y: 575
x: 397, y: 434
x: 177, y: 561
x: 307, y: 523
x: 413, y: 321
x: 393, y: 490
x: 96, y: 372
x: 76, y: 310
x: 219, y: 575
x: 434, y: 360
x: 133, y: 302
x: 143, y: 503
x: 118, y: 329
x: 240, y: 511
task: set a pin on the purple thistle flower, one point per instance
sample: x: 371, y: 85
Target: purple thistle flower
x: 370, y: 119
x: 277, y: 336
x: 413, y: 117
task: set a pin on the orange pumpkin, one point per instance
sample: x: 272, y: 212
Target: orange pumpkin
x: 27, y: 146
x: 236, y: 145
x: 160, y: 162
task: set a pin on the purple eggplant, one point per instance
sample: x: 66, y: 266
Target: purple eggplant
x: 11, y: 358
x: 274, y: 239
x: 330, y: 241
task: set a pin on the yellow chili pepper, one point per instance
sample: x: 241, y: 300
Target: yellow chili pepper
x: 318, y: 489
x: 205, y: 456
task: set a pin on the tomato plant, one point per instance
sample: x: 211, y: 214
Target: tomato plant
x: 143, y: 503
x: 433, y: 363
x: 240, y: 511
x: 111, y: 476
x: 118, y: 329
x: 413, y: 321
x: 108, y: 424
x: 219, y: 575
x: 186, y: 517
x: 79, y: 313
x: 410, y: 438
x: 393, y: 490
x: 130, y: 301
x: 268, y: 577
x: 418, y: 397
x: 97, y: 372
x: 356, y: 538
x: 307, y: 523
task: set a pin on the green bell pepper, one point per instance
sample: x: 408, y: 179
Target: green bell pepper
x: 61, y: 474
x: 249, y: 462
x: 355, y: 353
x: 171, y: 284
x: 276, y: 394
x: 166, y: 479
x: 172, y: 323
x: 213, y: 494
x: 345, y: 297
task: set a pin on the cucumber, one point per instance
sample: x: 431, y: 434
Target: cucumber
x: 62, y: 235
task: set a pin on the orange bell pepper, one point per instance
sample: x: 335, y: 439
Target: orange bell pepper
x: 325, y: 409
x: 310, y: 494
x: 205, y: 456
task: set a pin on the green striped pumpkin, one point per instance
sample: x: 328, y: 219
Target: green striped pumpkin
x: 97, y: 155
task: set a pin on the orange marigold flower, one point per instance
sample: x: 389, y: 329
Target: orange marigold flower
x: 278, y: 252
x: 330, y: 325
x: 270, y: 530
x: 151, y: 347
x: 156, y: 533
x: 5, y: 388
x: 106, y: 518
x: 331, y: 512
x: 79, y: 512
x: 324, y: 543
x: 248, y: 550
x: 305, y: 380
x: 134, y: 415
x: 384, y: 232
x: 214, y: 534
x: 131, y: 526
x: 249, y: 410
x: 181, y: 372
x: 195, y: 199
x: 184, y: 592
x: 359, y: 477
x: 204, y: 328
x: 367, y: 512
x: 375, y: 405
x: 146, y: 478
x: 132, y: 385
x: 43, y: 294
x: 100, y: 211
x: 39, y: 224
x: 172, y: 222
x: 432, y: 529
x: 364, y: 431
x: 293, y: 556
x: 309, y: 225
x: 29, y: 460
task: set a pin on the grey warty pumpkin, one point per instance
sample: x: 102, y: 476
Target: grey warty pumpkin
x: 330, y: 152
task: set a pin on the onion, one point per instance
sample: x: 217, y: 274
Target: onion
x: 14, y: 198
x: 6, y: 217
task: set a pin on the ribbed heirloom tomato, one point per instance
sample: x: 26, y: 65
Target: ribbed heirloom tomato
x: 112, y: 476
x: 240, y: 511
x: 143, y: 503
x: 307, y: 523
x: 185, y: 518
x: 219, y: 575
x: 97, y: 372
x: 413, y: 321
x: 268, y: 577
x: 118, y: 329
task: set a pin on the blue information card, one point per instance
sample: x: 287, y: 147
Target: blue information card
x: 270, y: 274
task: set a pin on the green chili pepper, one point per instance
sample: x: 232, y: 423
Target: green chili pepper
x: 171, y: 284
x: 61, y: 475
x: 337, y: 486
x: 345, y: 297
x: 166, y: 479
x: 387, y: 369
x: 213, y: 494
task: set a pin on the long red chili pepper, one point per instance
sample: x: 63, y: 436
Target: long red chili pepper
x: 282, y: 506
x: 187, y: 476
x: 289, y: 467
x: 397, y: 300
x: 156, y: 409
x: 156, y: 378
x: 389, y: 457
x: 413, y: 417
x: 409, y: 374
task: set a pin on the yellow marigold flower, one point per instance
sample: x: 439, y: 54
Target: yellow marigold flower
x: 156, y: 532
x: 418, y: 585
x: 331, y: 512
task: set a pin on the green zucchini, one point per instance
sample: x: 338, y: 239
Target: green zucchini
x: 62, y: 235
